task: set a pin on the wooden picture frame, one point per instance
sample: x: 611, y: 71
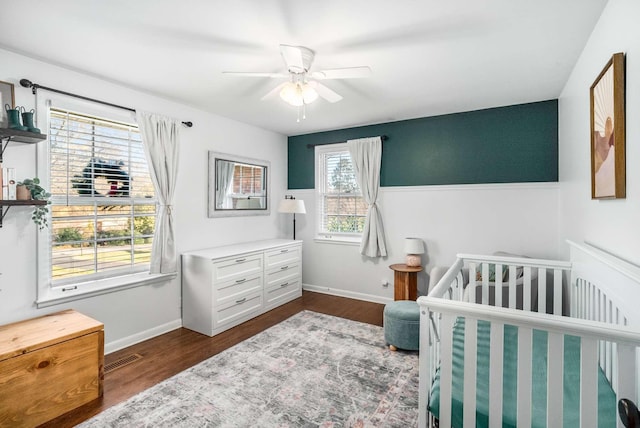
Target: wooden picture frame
x: 7, y: 96
x: 608, y: 174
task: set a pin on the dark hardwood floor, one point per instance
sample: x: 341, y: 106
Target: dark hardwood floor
x: 171, y: 353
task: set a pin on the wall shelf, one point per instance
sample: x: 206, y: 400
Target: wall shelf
x: 11, y: 203
x: 7, y: 135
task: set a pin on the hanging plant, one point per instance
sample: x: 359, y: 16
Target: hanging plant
x: 40, y: 212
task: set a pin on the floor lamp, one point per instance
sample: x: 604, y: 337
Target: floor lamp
x: 291, y: 205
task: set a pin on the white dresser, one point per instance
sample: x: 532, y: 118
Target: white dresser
x: 225, y: 286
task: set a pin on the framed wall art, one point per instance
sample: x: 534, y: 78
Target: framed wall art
x: 608, y: 131
x: 6, y: 98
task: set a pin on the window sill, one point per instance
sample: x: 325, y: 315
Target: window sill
x: 339, y: 240
x: 71, y: 292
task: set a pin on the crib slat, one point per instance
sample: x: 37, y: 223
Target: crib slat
x: 557, y: 292
x: 473, y: 272
x: 470, y: 354
x: 588, y: 382
x: 555, y: 359
x: 626, y: 381
x: 446, y: 339
x: 512, y: 287
x: 485, y: 284
x: 524, y: 377
x: 495, y: 373
x: 542, y: 290
x: 526, y: 289
x: 498, y: 286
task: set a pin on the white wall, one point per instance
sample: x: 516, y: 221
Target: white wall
x: 135, y: 314
x: 481, y: 219
x: 613, y: 225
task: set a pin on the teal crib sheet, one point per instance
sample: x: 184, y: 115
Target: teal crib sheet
x: 571, y: 398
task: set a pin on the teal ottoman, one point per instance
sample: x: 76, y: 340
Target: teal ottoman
x: 401, y: 323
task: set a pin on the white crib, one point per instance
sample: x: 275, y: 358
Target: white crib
x: 460, y: 338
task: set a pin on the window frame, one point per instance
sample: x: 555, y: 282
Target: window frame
x: 67, y: 291
x: 321, y: 179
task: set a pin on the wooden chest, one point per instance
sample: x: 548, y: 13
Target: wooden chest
x: 48, y: 366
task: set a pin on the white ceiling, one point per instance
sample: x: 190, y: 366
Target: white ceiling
x: 427, y: 57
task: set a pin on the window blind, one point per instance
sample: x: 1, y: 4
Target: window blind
x: 103, y: 201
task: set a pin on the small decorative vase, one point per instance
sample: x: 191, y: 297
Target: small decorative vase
x: 27, y: 119
x: 13, y: 117
x: 23, y: 193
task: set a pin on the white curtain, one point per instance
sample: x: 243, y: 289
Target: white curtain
x: 366, y: 156
x: 224, y: 180
x: 161, y: 138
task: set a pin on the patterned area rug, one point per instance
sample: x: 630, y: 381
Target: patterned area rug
x: 311, y: 370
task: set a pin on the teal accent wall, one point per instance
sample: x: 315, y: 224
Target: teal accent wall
x: 511, y: 144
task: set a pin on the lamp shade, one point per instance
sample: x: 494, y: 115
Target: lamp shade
x: 292, y: 206
x: 413, y: 246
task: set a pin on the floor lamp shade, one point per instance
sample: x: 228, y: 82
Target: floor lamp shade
x: 292, y: 206
x: 413, y: 247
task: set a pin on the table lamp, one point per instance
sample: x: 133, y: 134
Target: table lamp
x: 291, y: 205
x: 413, y: 247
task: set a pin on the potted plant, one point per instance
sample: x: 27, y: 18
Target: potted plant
x: 39, y: 215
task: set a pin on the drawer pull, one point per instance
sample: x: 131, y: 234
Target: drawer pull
x: 284, y: 285
x: 284, y: 267
x: 75, y: 287
x: 284, y: 251
x: 240, y: 260
x: 240, y: 281
x: 244, y: 299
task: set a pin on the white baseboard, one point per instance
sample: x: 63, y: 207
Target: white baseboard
x: 143, y: 335
x: 345, y: 293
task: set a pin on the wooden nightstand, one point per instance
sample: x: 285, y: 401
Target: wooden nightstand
x: 405, y: 281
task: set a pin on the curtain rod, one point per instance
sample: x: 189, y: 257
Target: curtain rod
x: 311, y: 146
x: 26, y: 83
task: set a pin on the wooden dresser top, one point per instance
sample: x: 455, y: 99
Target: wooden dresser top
x: 26, y: 336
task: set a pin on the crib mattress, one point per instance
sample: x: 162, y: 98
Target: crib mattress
x: 606, y: 396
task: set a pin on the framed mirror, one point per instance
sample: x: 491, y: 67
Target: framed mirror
x: 238, y: 185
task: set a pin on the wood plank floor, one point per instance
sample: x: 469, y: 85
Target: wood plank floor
x: 173, y: 352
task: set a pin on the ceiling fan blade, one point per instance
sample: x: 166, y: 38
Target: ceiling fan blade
x: 342, y: 73
x: 256, y: 74
x: 326, y: 93
x: 275, y: 91
x: 297, y: 58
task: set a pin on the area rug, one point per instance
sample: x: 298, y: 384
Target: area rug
x: 311, y: 370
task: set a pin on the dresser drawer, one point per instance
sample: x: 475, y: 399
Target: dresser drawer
x: 282, y: 290
x: 235, y: 289
x: 282, y: 273
x: 236, y: 268
x: 238, y: 308
x: 282, y: 256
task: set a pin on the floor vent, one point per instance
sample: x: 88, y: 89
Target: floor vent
x: 124, y: 361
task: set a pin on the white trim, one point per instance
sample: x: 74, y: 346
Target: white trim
x: 337, y: 240
x: 546, y: 185
x: 142, y: 336
x: 473, y: 187
x: 350, y: 294
x: 63, y: 294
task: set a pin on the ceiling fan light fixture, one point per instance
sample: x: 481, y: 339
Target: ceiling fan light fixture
x: 298, y: 94
x: 291, y: 94
x: 309, y: 94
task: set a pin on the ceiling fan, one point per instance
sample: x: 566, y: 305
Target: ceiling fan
x: 302, y: 87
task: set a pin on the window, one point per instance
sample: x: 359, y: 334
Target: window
x: 341, y: 206
x: 103, y: 205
